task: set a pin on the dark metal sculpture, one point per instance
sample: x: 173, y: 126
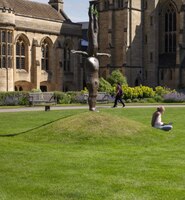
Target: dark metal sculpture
x: 92, y: 63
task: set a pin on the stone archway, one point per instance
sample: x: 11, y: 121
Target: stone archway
x: 23, y: 86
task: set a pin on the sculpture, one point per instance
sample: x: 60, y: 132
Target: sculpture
x: 92, y: 63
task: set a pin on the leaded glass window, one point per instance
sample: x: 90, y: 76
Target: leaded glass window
x: 20, y: 54
x: 67, y: 59
x: 120, y: 3
x: 6, y: 48
x: 170, y: 29
x: 106, y: 4
x: 45, y: 56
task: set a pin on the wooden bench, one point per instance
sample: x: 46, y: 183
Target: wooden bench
x: 102, y: 97
x: 42, y: 98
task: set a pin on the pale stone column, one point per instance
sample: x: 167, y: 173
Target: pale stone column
x: 59, y: 69
x: 36, y: 63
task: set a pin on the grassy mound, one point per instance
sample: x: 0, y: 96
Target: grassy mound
x: 86, y: 126
x: 92, y: 156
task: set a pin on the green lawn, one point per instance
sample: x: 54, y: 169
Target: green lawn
x: 77, y: 154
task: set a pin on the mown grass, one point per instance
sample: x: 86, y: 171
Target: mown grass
x: 76, y: 154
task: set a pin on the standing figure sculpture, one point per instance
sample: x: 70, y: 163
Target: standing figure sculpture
x: 92, y: 63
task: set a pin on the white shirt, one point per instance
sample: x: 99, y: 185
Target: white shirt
x: 158, y: 121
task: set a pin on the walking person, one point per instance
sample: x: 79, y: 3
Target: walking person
x: 157, y: 121
x: 118, y: 97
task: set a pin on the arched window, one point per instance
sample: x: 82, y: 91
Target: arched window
x: 43, y: 88
x: 6, y: 48
x: 106, y: 4
x: 162, y: 75
x: 21, y: 48
x: 145, y: 4
x: 113, y: 3
x: 146, y: 74
x: 170, y: 29
x: 20, y: 88
x: 136, y: 82
x: 67, y: 55
x: 120, y: 3
x: 45, y: 55
x: 170, y: 75
x: 66, y: 59
x: 68, y: 46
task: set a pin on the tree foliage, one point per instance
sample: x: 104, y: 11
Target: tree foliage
x: 117, y: 77
x: 105, y: 86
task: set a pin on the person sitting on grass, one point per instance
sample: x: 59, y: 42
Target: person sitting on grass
x: 157, y: 122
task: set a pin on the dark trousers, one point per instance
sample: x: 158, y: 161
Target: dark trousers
x: 118, y: 98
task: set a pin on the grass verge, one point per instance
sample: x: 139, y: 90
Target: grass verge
x: 75, y: 154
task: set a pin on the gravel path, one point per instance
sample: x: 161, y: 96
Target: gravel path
x: 42, y: 108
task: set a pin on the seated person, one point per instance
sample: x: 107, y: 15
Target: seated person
x: 156, y: 120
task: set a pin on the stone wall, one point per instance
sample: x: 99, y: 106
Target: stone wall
x: 34, y: 31
x: 136, y: 34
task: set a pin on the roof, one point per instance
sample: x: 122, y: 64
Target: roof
x: 33, y: 9
x: 84, y: 25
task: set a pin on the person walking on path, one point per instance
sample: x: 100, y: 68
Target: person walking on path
x: 119, y: 94
x: 157, y: 121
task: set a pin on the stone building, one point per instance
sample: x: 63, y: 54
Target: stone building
x: 35, y: 44
x: 146, y: 39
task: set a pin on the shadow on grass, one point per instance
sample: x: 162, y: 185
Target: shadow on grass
x: 23, y: 132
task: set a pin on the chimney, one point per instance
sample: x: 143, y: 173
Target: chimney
x: 57, y: 4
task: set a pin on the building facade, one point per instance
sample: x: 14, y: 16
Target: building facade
x: 35, y: 44
x: 146, y: 39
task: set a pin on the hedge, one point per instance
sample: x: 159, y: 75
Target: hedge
x: 131, y: 94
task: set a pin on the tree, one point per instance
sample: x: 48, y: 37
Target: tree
x: 117, y: 77
x: 105, y: 86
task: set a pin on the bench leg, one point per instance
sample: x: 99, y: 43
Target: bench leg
x: 47, y: 108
